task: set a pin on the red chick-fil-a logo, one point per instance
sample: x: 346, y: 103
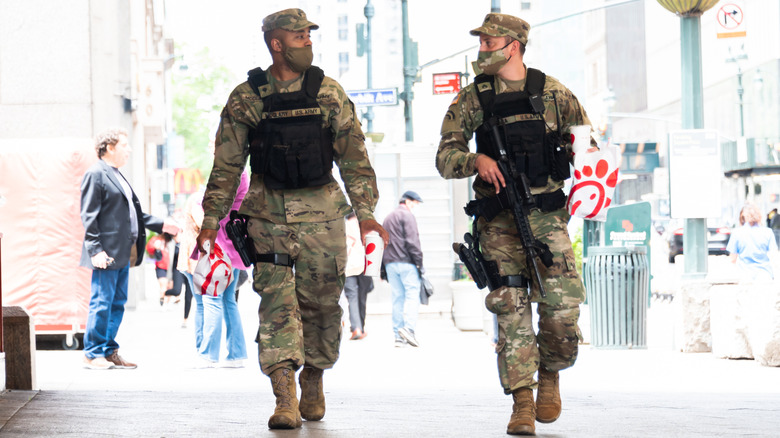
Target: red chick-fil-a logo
x: 589, y: 191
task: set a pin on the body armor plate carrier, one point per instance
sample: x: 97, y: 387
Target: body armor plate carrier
x: 290, y: 147
x: 535, y: 152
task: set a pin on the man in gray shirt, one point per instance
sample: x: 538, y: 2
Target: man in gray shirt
x: 403, y: 262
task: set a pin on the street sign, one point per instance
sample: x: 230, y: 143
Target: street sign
x: 731, y: 20
x: 377, y: 96
x: 695, y: 174
x: 446, y: 83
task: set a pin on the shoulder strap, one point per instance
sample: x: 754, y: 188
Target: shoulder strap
x: 534, y: 86
x: 485, y: 93
x: 534, y: 82
x: 313, y: 81
x: 256, y: 79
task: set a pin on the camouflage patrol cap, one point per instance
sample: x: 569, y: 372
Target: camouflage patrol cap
x: 289, y: 19
x: 504, y: 25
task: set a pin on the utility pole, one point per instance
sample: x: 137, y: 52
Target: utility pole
x: 740, y: 89
x: 410, y: 70
x: 694, y: 229
x: 692, y: 103
x: 368, y: 11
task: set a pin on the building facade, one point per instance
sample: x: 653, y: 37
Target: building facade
x: 69, y: 70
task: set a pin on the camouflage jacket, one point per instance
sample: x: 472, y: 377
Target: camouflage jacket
x: 241, y: 115
x: 464, y: 116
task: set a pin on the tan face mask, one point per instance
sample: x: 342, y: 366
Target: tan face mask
x: 299, y: 58
x: 491, y: 62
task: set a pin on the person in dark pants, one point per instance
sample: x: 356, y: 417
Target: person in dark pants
x: 114, y: 240
x: 189, y: 218
x: 187, y: 298
x: 356, y: 289
x: 177, y: 277
x: 356, y: 285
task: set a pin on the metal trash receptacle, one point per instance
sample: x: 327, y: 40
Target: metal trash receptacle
x: 617, y: 280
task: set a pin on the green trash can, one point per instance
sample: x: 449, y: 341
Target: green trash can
x: 617, y: 280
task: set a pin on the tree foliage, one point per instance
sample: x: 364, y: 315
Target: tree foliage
x: 199, y: 93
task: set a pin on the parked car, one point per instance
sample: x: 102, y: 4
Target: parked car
x: 718, y: 234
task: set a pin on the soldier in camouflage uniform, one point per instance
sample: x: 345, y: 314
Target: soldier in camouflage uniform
x: 293, y: 122
x: 532, y: 135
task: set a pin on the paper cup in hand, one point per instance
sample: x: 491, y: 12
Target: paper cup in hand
x: 580, y: 138
x: 375, y: 246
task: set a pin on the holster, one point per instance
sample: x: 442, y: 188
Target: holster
x: 484, y: 272
x: 245, y: 246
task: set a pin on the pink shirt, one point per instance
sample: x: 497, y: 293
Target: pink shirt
x: 222, y: 239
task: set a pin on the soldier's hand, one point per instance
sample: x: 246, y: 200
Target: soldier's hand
x: 369, y: 225
x: 487, y: 169
x: 204, y: 235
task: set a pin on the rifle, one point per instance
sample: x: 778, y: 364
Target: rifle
x: 520, y: 199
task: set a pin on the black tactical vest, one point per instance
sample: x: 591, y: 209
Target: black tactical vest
x: 290, y: 147
x: 535, y: 152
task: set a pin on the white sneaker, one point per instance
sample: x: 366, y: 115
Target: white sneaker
x: 238, y: 363
x: 98, y: 363
x: 201, y: 363
x: 408, y: 336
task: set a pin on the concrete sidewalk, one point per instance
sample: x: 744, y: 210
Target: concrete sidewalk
x: 447, y: 387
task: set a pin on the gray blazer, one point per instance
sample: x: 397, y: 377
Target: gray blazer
x: 106, y: 218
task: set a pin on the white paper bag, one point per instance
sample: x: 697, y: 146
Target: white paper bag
x: 594, y: 181
x: 213, y: 273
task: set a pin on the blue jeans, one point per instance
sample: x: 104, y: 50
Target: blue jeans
x: 106, y: 310
x: 209, y: 312
x: 198, y: 312
x: 405, y: 284
x: 234, y: 335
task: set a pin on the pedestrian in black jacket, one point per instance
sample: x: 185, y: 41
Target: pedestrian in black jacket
x: 114, y: 240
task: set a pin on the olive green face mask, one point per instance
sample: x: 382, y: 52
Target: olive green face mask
x: 491, y: 62
x: 299, y: 58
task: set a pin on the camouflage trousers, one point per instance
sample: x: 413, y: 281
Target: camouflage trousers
x: 300, y: 315
x: 521, y: 351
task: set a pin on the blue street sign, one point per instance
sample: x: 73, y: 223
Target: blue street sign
x: 377, y: 96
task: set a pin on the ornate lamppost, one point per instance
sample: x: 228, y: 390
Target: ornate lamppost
x: 692, y: 104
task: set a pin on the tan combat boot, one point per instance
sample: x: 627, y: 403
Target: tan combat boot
x: 548, y: 397
x: 286, y: 414
x: 523, y: 413
x: 312, y: 398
